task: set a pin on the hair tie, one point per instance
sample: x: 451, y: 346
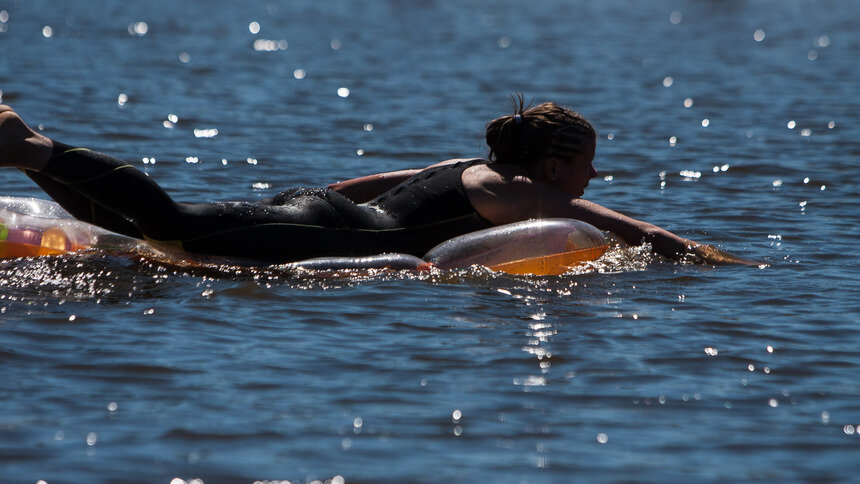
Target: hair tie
x: 518, y: 119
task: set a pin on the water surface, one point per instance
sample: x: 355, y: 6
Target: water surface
x: 117, y: 369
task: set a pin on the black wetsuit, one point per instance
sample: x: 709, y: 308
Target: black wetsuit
x: 296, y: 224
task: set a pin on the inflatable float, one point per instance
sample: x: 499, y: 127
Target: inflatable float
x: 31, y: 227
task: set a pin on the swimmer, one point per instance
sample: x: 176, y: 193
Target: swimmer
x: 539, y: 164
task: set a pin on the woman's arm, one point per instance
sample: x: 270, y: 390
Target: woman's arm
x: 514, y: 199
x: 366, y: 188
x: 662, y: 241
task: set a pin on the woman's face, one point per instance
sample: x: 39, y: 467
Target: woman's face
x: 572, y: 175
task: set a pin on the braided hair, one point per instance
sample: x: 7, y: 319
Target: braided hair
x: 533, y: 134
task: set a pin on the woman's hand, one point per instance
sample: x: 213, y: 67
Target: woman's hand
x: 675, y: 247
x: 708, y: 254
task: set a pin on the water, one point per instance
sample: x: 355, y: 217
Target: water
x: 117, y: 369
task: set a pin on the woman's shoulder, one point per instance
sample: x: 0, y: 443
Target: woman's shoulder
x: 494, y: 175
x: 501, y: 193
x: 505, y: 193
x: 454, y: 161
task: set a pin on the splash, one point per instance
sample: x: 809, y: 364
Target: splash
x: 619, y: 258
x: 101, y: 277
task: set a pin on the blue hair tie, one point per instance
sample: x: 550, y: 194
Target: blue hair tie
x: 518, y: 119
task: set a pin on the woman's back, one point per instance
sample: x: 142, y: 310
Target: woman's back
x: 428, y: 208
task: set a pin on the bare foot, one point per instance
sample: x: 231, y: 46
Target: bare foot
x: 20, y: 146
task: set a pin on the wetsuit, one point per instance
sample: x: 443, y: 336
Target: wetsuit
x: 296, y: 224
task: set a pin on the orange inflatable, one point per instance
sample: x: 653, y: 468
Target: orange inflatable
x: 540, y: 247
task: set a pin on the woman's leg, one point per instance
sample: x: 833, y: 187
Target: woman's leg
x: 82, y: 208
x: 83, y: 179
x: 21, y: 146
x: 113, y: 183
x: 305, y: 223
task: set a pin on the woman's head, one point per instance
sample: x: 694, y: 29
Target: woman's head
x: 554, y: 144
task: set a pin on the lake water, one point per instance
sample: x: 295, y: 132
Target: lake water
x: 733, y: 123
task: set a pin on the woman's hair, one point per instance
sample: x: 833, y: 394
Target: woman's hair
x: 533, y: 134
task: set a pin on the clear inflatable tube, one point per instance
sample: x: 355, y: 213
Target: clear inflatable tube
x: 381, y: 261
x: 31, y: 227
x: 541, y: 247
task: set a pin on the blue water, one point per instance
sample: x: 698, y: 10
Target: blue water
x: 638, y: 370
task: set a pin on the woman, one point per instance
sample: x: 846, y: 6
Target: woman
x: 539, y: 165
